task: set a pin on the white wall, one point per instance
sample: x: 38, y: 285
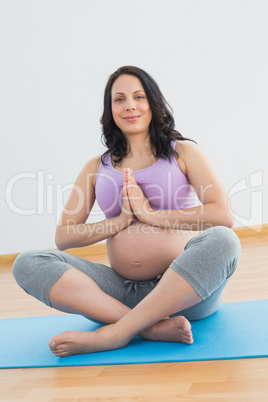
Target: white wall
x: 208, y: 56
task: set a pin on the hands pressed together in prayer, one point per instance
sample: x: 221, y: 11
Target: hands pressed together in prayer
x: 135, y: 204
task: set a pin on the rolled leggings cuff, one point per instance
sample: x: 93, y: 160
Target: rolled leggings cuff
x: 202, y: 292
x: 55, y: 277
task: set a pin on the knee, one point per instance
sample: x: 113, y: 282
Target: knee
x: 227, y: 242
x: 21, y: 265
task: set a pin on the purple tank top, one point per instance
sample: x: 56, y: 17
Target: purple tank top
x: 163, y: 183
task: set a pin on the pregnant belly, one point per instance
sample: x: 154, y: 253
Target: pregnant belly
x: 141, y: 251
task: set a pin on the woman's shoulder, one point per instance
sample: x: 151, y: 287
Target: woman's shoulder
x: 185, y: 149
x: 91, y: 167
x: 86, y: 177
x: 192, y: 156
x: 93, y: 164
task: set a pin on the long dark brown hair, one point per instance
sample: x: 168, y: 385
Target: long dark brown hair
x: 162, y: 127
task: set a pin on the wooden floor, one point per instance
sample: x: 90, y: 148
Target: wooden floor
x: 234, y: 380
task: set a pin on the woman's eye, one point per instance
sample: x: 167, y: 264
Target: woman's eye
x: 138, y: 97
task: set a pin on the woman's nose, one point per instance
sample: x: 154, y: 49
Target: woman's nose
x: 130, y: 105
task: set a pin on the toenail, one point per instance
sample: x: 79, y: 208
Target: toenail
x: 53, y: 344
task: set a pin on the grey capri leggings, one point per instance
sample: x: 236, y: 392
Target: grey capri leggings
x: 207, y: 262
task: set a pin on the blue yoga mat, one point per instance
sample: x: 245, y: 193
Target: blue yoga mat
x: 236, y: 330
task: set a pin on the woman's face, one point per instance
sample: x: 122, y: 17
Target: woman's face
x: 130, y: 107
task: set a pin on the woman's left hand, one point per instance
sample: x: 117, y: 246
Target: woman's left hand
x: 139, y: 203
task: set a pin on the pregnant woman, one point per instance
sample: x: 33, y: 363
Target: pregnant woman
x: 167, y: 224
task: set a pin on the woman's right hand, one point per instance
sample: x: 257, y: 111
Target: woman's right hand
x: 127, y: 214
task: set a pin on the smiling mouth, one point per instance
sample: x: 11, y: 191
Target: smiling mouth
x: 131, y: 118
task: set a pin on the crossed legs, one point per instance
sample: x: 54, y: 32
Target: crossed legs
x: 191, y: 285
x: 148, y: 318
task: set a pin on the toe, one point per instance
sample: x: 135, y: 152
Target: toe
x: 52, y: 345
x: 187, y: 326
x: 61, y: 353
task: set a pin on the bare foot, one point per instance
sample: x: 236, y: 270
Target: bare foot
x: 76, y: 342
x: 174, y: 329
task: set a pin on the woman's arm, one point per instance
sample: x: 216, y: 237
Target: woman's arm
x: 209, y: 189
x: 72, y: 231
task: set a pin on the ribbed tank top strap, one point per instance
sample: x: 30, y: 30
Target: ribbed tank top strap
x: 102, y: 167
x: 173, y: 143
x: 173, y: 157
